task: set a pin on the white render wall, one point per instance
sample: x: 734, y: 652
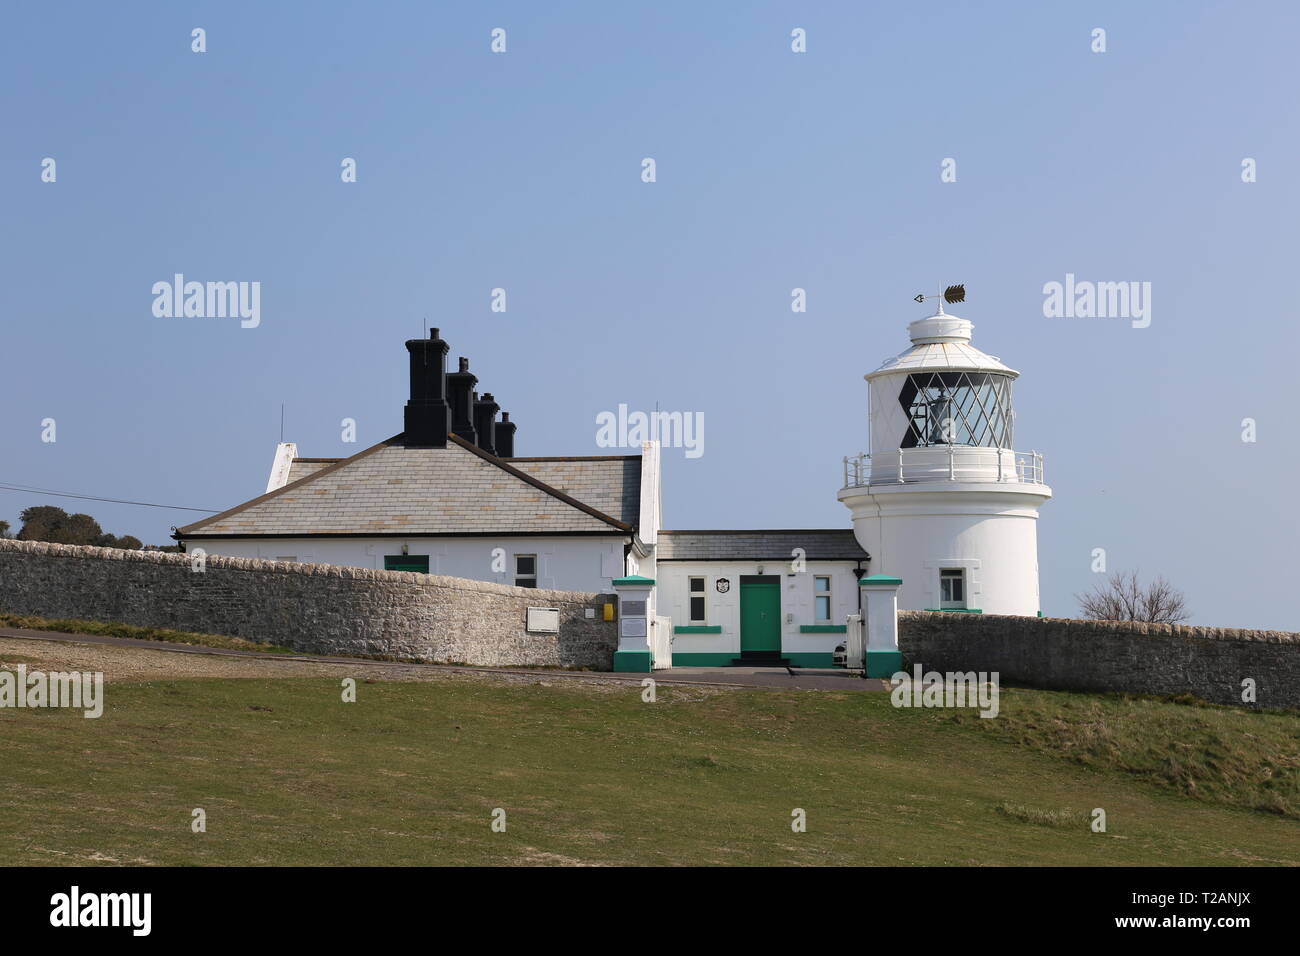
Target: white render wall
x: 565, y: 563
x: 797, y: 608
x: 914, y: 531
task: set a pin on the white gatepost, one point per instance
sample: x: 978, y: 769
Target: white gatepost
x: 635, y: 612
x: 882, y: 657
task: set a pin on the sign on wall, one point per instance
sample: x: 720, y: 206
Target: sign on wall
x: 543, y: 620
x: 723, y: 585
x: 632, y: 627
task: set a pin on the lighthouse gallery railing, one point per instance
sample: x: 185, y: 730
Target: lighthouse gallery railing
x: 944, y: 463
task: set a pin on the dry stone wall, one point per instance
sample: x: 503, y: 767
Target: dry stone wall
x: 308, y: 607
x: 1208, y: 662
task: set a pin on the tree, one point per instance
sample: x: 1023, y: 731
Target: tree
x: 4, y: 529
x: 1122, y: 598
x: 50, y: 523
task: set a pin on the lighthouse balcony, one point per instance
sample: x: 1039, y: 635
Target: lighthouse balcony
x: 934, y: 463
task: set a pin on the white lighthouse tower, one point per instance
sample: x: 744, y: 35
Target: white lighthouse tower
x: 943, y: 501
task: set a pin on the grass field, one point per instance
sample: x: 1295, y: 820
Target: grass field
x: 412, y: 772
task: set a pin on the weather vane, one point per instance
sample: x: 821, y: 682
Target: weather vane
x: 954, y: 293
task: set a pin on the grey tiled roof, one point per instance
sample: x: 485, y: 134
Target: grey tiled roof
x: 757, y: 545
x: 392, y: 489
x: 610, y: 485
x: 302, y: 467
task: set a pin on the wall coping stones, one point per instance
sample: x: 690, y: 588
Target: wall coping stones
x: 988, y: 622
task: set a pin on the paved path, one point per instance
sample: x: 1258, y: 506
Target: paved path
x: 772, y: 678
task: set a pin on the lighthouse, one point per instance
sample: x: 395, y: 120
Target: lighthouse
x: 943, y: 501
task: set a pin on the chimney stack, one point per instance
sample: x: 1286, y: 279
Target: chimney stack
x: 427, y: 416
x: 460, y: 386
x: 505, y: 437
x: 485, y: 413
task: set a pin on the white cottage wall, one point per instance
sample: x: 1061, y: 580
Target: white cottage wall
x: 567, y: 563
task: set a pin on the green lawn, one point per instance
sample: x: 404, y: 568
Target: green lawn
x: 411, y: 773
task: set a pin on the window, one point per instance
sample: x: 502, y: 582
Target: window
x: 697, y: 601
x: 526, y: 570
x: 419, y: 563
x: 957, y: 408
x: 822, y: 598
x: 952, y: 587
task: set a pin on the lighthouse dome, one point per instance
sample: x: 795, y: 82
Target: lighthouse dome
x: 941, y: 341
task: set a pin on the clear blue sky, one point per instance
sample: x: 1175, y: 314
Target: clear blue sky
x: 775, y: 171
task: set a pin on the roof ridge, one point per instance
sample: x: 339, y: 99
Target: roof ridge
x: 456, y: 439
x: 536, y: 482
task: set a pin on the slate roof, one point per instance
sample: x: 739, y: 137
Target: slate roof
x: 392, y: 489
x: 819, y: 545
x: 610, y: 484
x: 302, y: 467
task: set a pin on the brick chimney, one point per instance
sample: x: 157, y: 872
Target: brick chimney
x: 505, y: 437
x: 485, y: 413
x: 427, y: 416
x: 460, y: 386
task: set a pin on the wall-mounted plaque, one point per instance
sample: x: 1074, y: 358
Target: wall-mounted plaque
x: 723, y: 585
x: 543, y: 620
x: 634, y: 608
x: 632, y: 627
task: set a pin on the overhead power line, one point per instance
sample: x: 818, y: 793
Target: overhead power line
x: 6, y: 486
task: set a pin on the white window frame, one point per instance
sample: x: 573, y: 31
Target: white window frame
x: 951, y: 574
x: 828, y: 594
x: 702, y: 594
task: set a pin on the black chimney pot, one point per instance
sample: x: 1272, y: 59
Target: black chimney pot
x: 505, y: 437
x: 460, y: 386
x: 485, y: 413
x: 427, y: 416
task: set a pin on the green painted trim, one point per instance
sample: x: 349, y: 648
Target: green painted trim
x: 823, y: 628
x: 880, y: 579
x: 703, y: 660
x: 809, y: 659
x: 632, y: 662
x: 812, y: 659
x: 956, y: 610
x: 884, y: 663
x: 697, y: 629
x: 632, y: 581
x: 1040, y: 613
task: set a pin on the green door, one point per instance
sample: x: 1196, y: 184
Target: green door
x: 760, y: 612
x: 407, y: 562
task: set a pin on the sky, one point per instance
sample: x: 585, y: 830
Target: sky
x: 774, y: 170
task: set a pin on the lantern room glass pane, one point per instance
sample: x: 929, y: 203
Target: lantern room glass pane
x: 957, y: 408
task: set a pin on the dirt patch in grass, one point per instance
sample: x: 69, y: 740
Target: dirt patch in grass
x: 111, y: 629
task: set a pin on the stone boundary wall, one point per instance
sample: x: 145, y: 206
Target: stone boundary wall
x: 1065, y: 654
x: 321, y: 608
